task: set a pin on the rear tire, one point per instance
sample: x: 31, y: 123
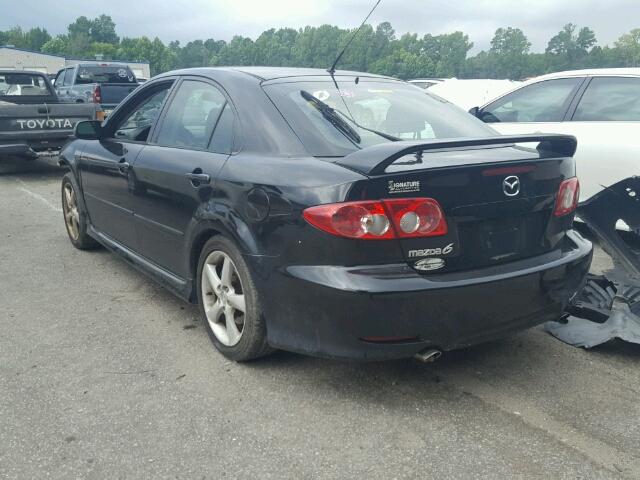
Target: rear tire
x: 229, y: 302
x: 75, y: 216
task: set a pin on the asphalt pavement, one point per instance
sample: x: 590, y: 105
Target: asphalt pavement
x: 104, y: 374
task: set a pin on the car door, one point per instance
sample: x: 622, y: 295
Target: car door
x: 61, y: 85
x: 106, y: 171
x: 538, y: 107
x: 58, y: 81
x: 175, y: 173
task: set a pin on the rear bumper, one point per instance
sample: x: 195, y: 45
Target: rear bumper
x: 17, y: 150
x: 33, y: 148
x: 328, y: 310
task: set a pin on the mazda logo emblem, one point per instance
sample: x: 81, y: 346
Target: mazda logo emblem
x: 511, y: 186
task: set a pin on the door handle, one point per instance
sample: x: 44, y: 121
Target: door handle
x: 123, y: 166
x: 198, y: 179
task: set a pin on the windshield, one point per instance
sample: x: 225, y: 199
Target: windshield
x: 370, y: 108
x: 23, y: 84
x: 98, y: 74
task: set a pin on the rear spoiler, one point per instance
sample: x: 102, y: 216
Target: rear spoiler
x: 374, y: 160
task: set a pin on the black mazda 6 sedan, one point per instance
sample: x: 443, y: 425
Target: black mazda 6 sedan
x: 346, y: 216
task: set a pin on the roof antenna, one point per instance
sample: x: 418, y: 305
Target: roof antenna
x: 332, y: 70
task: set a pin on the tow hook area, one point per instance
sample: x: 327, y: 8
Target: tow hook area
x: 429, y: 355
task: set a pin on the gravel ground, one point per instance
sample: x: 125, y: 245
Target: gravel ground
x: 103, y: 374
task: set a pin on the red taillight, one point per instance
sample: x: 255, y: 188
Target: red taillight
x: 366, y: 220
x: 96, y: 96
x: 380, y: 219
x: 417, y: 217
x: 568, y: 196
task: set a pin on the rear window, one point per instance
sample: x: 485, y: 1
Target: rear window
x: 390, y: 107
x: 610, y: 99
x: 23, y: 84
x: 97, y: 74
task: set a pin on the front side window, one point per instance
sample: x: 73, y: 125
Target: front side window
x: 610, y: 99
x: 68, y: 77
x: 396, y: 110
x: 59, y: 78
x: 137, y: 124
x: 194, y: 112
x: 545, y: 101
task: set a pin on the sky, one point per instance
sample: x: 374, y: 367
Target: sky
x: 187, y: 20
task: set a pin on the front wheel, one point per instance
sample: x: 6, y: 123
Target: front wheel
x: 75, y: 218
x: 229, y: 302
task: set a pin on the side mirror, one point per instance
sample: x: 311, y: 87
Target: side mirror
x: 88, y: 130
x: 475, y: 111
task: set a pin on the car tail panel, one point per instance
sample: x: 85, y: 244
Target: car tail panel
x: 498, y: 205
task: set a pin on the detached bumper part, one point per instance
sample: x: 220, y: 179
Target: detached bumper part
x: 599, y: 315
x: 609, y: 306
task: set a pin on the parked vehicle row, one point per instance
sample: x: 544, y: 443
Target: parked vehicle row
x: 33, y: 121
x: 347, y: 216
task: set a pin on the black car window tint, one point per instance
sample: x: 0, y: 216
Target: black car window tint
x: 137, y: 124
x: 377, y: 110
x: 192, y: 116
x: 545, y: 101
x: 222, y: 139
x: 610, y: 99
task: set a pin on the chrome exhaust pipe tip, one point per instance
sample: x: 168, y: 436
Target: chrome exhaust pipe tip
x: 428, y: 356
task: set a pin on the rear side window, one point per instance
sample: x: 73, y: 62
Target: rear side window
x: 98, y: 74
x: 610, y: 99
x: 222, y: 139
x: 545, y: 101
x: 192, y: 116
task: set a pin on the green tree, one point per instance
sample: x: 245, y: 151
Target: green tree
x: 569, y: 49
x: 35, y: 38
x: 509, y: 49
x: 81, y: 26
x: 628, y: 46
x: 57, y: 45
x: 16, y: 37
x: 103, y: 30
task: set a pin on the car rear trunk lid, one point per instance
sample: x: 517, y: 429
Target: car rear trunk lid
x: 498, y: 200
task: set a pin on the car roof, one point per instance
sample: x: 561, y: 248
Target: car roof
x: 272, y: 73
x: 587, y: 72
x: 28, y: 72
x: 98, y: 64
x: 590, y: 72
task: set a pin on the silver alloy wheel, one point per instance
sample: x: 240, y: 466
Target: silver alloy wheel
x: 70, y: 209
x: 223, y: 298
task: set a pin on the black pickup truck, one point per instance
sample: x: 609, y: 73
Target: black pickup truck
x: 33, y: 122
